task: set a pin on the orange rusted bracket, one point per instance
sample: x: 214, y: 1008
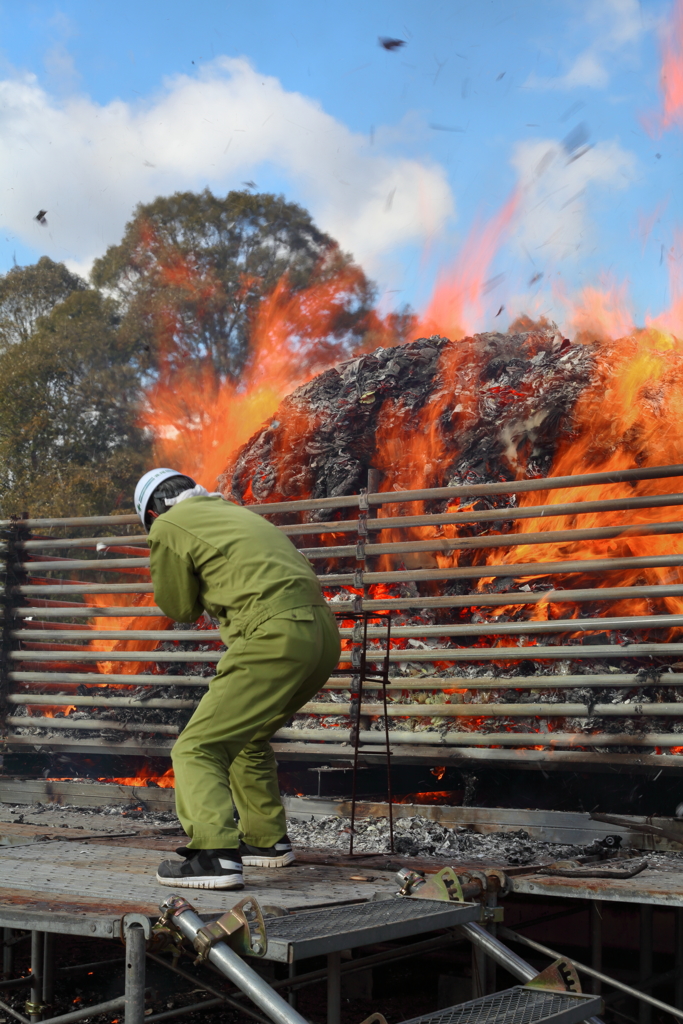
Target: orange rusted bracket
x: 560, y: 976
x: 444, y: 885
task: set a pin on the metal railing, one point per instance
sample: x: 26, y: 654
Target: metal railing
x: 51, y: 663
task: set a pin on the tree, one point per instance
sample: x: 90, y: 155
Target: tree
x: 68, y: 407
x: 192, y: 268
x: 27, y: 293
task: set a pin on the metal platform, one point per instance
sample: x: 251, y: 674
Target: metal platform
x: 335, y: 928
x: 518, y: 1005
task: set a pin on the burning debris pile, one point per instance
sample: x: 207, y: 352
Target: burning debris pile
x: 500, y: 402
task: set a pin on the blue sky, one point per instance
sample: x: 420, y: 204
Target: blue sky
x: 396, y: 154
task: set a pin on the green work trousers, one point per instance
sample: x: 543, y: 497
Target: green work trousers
x: 223, y: 753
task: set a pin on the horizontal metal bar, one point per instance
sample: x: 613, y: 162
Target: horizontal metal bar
x: 102, y: 679
x: 88, y: 724
x: 98, y: 564
x: 489, y: 739
x: 545, y: 710
x: 82, y: 542
x: 443, y: 683
x: 489, y: 515
x: 57, y: 588
x: 92, y: 612
x: 392, y: 497
x: 496, y: 540
x: 516, y: 570
x: 530, y: 652
x: 625, y: 622
x: 143, y: 656
x: 78, y: 701
x: 520, y: 598
x: 200, y: 636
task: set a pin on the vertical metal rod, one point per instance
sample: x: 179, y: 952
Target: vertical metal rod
x: 7, y: 953
x: 291, y: 973
x: 48, y: 968
x: 334, y: 988
x: 491, y: 972
x: 595, y: 913
x: 385, y: 680
x: 478, y: 972
x: 645, y: 1010
x: 355, y: 736
x: 678, y: 990
x: 135, y: 975
x: 36, y: 976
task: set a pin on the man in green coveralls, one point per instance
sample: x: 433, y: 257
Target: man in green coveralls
x: 208, y: 554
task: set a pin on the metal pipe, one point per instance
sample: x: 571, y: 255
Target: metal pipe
x: 36, y: 544
x: 595, y: 917
x: 334, y: 988
x: 503, y: 956
x: 498, y: 739
x: 498, y: 541
x: 574, y: 508
x: 31, y: 722
x: 512, y: 936
x: 530, y: 652
x: 60, y: 587
x: 87, y: 1011
x: 71, y: 564
x: 546, y: 710
x: 539, y: 682
x: 36, y: 976
x: 48, y: 993
x: 678, y: 958
x: 657, y: 592
x: 89, y: 612
x: 136, y: 947
x: 515, y: 570
x: 205, y: 1004
x: 109, y: 702
x: 491, y: 628
x: 645, y: 965
x: 234, y: 968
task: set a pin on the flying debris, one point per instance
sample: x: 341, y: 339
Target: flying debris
x: 40, y: 217
x: 500, y: 311
x: 501, y: 75
x: 536, y: 277
x: 391, y: 44
x: 446, y: 128
x: 249, y: 184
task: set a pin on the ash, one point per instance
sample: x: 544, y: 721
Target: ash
x: 419, y: 837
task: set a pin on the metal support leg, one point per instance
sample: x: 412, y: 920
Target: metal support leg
x: 135, y: 975
x: 645, y: 1010
x: 478, y: 971
x: 7, y: 953
x: 491, y: 979
x: 333, y: 988
x: 678, y: 964
x: 34, y: 1011
x: 48, y: 969
x: 596, y: 943
x: 291, y: 973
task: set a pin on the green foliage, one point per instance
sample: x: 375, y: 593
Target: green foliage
x: 192, y: 268
x: 27, y: 293
x: 68, y: 441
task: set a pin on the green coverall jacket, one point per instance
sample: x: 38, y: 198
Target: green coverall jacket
x: 209, y: 554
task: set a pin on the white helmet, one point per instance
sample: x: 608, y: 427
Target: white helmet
x: 146, y: 486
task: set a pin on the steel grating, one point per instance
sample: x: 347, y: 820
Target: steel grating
x: 518, y: 1005
x: 311, y: 933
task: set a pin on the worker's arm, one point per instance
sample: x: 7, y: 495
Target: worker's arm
x: 176, y: 587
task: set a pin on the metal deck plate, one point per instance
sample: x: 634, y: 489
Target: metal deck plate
x: 518, y: 1006
x: 311, y: 933
x: 86, y: 889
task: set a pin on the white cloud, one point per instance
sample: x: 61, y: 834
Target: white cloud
x: 616, y: 24
x: 552, y: 219
x: 88, y: 164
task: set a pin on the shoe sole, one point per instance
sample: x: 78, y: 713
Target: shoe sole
x: 253, y: 861
x: 203, y: 882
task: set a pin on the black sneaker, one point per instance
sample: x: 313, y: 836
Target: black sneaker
x: 278, y: 856
x: 203, y: 869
